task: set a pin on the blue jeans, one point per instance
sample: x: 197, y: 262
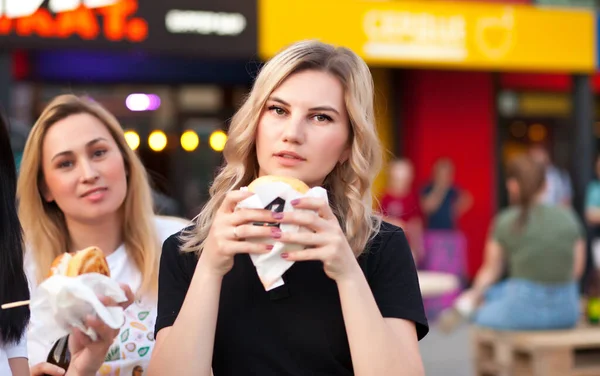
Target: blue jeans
x: 518, y: 304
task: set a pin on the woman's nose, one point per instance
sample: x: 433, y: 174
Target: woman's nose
x: 294, y: 130
x: 88, y: 172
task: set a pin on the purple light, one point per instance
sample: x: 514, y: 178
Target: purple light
x: 154, y: 102
x: 142, y: 102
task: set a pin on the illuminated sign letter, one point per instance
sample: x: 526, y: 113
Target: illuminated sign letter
x: 19, y: 8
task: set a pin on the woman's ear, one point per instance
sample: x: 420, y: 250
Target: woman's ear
x: 45, y: 192
x: 345, y: 156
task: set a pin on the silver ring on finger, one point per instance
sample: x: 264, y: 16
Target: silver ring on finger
x: 235, y: 235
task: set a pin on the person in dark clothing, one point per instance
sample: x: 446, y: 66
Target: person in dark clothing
x: 351, y: 302
x: 13, y: 282
x: 441, y: 201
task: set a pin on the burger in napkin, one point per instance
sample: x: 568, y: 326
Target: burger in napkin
x: 278, y: 204
x: 73, y: 264
x: 275, y: 193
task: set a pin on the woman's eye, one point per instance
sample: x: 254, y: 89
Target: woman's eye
x: 322, y: 118
x: 277, y: 110
x: 99, y: 153
x: 65, y: 164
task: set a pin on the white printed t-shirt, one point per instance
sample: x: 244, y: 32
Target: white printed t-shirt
x: 130, y: 353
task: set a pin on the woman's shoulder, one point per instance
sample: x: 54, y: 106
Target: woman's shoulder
x: 167, y: 226
x: 508, y: 214
x: 172, y: 253
x: 386, y: 229
x: 385, y: 235
x: 560, y: 212
x: 29, y: 267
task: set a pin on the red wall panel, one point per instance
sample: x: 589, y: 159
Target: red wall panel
x: 451, y: 114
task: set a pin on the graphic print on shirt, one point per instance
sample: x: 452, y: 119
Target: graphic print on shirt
x: 133, y: 345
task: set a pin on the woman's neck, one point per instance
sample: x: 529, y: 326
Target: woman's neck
x: 105, y: 234
x: 399, y: 191
x: 536, y: 200
x: 539, y: 198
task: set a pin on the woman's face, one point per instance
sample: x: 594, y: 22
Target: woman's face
x: 304, y: 130
x: 84, y: 170
x: 512, y: 187
x: 444, y: 174
x: 401, y: 175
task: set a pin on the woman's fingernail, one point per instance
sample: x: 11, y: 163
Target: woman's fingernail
x: 276, y: 234
x: 295, y: 202
x: 269, y: 247
x: 275, y: 230
x: 277, y: 215
x: 285, y: 255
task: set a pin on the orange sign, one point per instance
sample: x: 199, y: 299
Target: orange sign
x: 119, y: 23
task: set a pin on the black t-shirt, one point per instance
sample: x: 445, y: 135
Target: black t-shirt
x: 297, y: 328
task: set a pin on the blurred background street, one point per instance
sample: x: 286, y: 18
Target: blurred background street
x: 463, y: 88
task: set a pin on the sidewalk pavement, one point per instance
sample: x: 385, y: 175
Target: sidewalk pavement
x: 447, y: 355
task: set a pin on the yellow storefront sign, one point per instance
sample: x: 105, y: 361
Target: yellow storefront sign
x: 436, y: 34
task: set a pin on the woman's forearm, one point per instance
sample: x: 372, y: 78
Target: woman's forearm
x: 592, y: 216
x: 486, y: 277
x: 188, y: 346
x: 463, y: 204
x: 431, y: 202
x: 375, y: 348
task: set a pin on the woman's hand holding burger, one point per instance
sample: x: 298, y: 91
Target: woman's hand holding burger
x: 231, y: 232
x: 325, y: 242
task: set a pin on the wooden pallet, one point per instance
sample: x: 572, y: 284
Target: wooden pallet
x: 574, y: 352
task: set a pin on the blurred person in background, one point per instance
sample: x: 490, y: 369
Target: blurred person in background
x: 192, y: 198
x: 351, y: 302
x: 81, y: 185
x: 558, y: 183
x: 445, y: 246
x: 13, y: 282
x: 164, y: 205
x: 400, y: 204
x: 542, y: 247
x: 441, y: 201
x: 592, y: 214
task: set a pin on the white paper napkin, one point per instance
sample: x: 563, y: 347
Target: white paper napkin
x: 61, y: 303
x: 270, y: 266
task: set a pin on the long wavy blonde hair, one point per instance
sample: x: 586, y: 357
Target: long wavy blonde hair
x: 349, y: 184
x: 43, y: 222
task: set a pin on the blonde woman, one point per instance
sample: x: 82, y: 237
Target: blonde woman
x: 351, y: 302
x: 13, y: 287
x: 81, y: 185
